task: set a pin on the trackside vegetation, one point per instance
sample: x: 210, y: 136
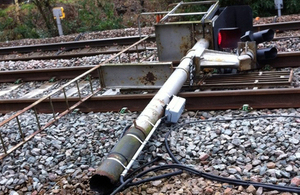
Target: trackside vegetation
x: 34, y: 19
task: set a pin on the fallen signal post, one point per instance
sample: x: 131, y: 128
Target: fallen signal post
x: 174, y: 40
x: 108, y: 174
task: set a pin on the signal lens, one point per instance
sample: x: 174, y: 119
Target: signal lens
x: 228, y: 37
x: 219, y: 38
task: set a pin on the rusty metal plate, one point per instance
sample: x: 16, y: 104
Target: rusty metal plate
x: 135, y: 75
x: 173, y: 40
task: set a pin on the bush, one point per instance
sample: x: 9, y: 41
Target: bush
x: 80, y: 17
x: 97, y: 18
x: 91, y: 15
x: 264, y: 8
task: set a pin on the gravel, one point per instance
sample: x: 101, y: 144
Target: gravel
x: 63, y: 157
x: 84, y: 61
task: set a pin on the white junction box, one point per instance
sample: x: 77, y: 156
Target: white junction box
x: 174, y: 109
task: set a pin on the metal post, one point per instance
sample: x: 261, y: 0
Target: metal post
x: 109, y: 171
x: 52, y: 107
x: 78, y: 89
x: 58, y: 14
x: 60, y: 31
x: 278, y: 6
x: 37, y: 118
x: 20, y: 128
x: 66, y: 98
x: 91, y: 84
x: 3, y: 145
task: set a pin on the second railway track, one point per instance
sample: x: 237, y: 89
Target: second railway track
x: 204, y: 100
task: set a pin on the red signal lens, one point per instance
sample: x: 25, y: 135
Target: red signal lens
x: 228, y: 37
x: 219, y: 38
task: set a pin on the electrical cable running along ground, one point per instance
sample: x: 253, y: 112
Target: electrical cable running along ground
x: 224, y: 179
x: 129, y: 181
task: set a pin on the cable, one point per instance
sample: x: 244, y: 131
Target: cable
x: 228, y: 180
x: 155, y: 177
x: 168, y: 148
x: 222, y: 179
x: 128, y: 182
x: 124, y: 130
x: 120, y: 187
x: 141, y: 167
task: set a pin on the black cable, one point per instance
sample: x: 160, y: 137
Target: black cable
x: 228, y: 180
x: 155, y: 178
x: 178, y: 165
x: 141, y: 167
x: 124, y: 130
x: 123, y: 185
x: 168, y: 148
x: 222, y: 179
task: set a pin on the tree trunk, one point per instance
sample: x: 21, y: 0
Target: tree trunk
x: 17, y: 11
x: 46, y: 15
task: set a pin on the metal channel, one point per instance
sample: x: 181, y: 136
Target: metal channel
x: 252, y: 79
x: 136, y: 75
x: 34, y: 106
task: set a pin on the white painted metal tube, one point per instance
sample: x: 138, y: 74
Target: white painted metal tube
x: 108, y: 173
x: 140, y: 148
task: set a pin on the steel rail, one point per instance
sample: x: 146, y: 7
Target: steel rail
x: 280, y: 26
x: 285, y: 60
x: 33, y: 106
x: 68, y: 56
x: 277, y: 38
x: 72, y: 45
x: 204, y: 100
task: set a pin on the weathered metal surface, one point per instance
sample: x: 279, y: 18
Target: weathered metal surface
x: 135, y: 75
x: 173, y: 40
x: 138, y: 75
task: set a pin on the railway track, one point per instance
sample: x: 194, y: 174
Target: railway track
x: 90, y: 102
x: 68, y: 50
x: 147, y: 79
x: 280, y: 26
